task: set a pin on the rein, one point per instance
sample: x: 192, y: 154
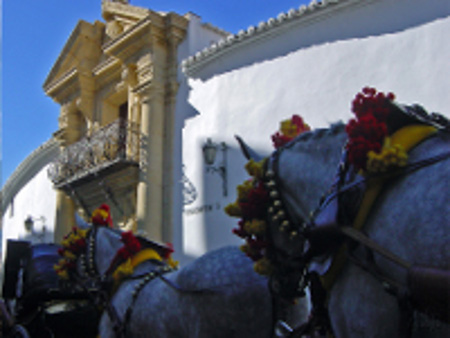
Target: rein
x: 120, y: 325
x: 361, y: 180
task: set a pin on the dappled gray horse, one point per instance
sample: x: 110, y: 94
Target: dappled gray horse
x: 409, y: 218
x: 217, y: 295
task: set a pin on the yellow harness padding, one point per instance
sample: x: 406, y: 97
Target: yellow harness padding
x: 407, y: 137
x: 125, y: 269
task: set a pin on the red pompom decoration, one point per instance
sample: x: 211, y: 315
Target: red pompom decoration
x: 367, y: 131
x: 131, y: 245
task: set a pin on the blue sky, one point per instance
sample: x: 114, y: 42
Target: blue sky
x: 33, y: 34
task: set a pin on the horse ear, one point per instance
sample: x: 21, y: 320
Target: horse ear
x: 248, y: 152
x: 81, y: 223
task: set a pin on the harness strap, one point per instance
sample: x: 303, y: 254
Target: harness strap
x: 115, y: 319
x: 120, y: 326
x: 408, y: 169
x: 359, y: 237
x: 407, y: 137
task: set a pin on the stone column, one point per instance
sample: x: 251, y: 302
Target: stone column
x: 174, y: 38
x: 129, y: 77
x: 70, y: 129
x: 150, y: 187
x: 65, y: 215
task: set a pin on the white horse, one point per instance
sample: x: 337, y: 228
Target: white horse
x: 409, y: 218
x: 217, y: 295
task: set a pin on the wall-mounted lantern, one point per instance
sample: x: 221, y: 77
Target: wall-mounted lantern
x: 209, y: 155
x: 29, y: 227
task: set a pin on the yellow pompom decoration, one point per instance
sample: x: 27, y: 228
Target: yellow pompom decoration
x: 244, y: 189
x: 233, y: 210
x: 83, y: 233
x: 69, y: 255
x: 100, y: 213
x: 255, y: 226
x: 389, y: 157
x: 245, y: 248
x: 263, y: 267
x: 65, y: 242
x: 255, y: 169
x: 288, y: 128
x: 63, y: 274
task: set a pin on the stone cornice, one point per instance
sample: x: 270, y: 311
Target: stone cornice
x: 177, y: 21
x: 304, y: 15
x: 177, y: 26
x: 105, y: 66
x: 61, y: 86
x: 111, y: 9
x: 37, y: 160
x: 105, y: 70
x: 125, y: 44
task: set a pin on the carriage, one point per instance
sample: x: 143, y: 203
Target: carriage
x: 34, y: 304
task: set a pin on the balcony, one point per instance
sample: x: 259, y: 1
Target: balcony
x: 108, y: 150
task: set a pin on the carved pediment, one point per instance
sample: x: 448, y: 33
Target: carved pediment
x: 81, y: 53
x: 120, y: 16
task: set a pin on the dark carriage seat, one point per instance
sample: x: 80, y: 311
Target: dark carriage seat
x: 15, y: 252
x: 41, y: 283
x: 41, y: 280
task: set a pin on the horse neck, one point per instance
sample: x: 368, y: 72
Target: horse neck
x: 307, y: 168
x: 107, y: 243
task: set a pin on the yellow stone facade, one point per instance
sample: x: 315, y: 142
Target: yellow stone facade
x: 116, y: 83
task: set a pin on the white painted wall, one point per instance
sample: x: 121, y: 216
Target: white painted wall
x: 198, y: 37
x: 36, y: 199
x: 314, y: 69
x: 29, y: 192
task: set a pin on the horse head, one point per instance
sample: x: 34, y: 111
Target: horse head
x: 92, y: 253
x: 293, y: 179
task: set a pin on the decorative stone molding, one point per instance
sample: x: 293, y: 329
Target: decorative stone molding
x: 122, y: 11
x: 129, y: 75
x: 114, y: 29
x: 130, y: 41
x: 67, y: 109
x: 63, y: 87
x: 80, y: 53
x: 106, y: 70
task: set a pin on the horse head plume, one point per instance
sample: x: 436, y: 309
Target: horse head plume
x: 248, y: 152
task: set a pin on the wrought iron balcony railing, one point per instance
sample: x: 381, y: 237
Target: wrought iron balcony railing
x: 118, y: 142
